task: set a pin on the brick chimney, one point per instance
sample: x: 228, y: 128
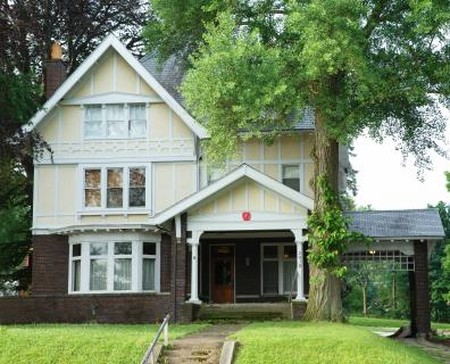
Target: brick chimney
x: 55, y: 70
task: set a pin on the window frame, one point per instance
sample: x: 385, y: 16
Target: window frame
x: 136, y: 256
x: 126, y: 187
x: 283, y: 178
x: 127, y: 120
x: 282, y: 291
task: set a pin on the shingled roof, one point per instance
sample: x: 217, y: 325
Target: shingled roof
x: 398, y: 224
x: 170, y: 75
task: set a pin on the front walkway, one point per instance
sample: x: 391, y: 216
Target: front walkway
x: 202, y: 347
x: 436, y: 350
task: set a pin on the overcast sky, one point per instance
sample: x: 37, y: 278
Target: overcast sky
x: 385, y: 184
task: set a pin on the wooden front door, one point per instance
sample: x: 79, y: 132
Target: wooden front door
x: 222, y: 274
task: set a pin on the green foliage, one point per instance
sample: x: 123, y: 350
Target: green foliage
x: 439, y: 271
x: 328, y: 233
x: 235, y: 81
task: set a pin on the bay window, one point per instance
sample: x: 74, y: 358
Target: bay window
x: 115, y: 121
x: 114, y: 187
x: 107, y: 264
x: 279, y: 266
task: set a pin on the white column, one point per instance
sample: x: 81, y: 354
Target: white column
x: 299, y: 240
x: 194, y: 242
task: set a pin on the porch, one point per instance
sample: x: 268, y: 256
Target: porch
x: 251, y: 311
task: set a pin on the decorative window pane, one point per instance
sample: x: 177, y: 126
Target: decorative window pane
x: 76, y: 275
x: 270, y: 277
x: 122, y: 248
x: 122, y: 274
x: 92, y: 188
x: 289, y: 276
x: 114, y: 192
x: 138, y: 121
x: 137, y: 187
x: 76, y: 250
x: 148, y: 274
x: 291, y: 176
x: 149, y: 249
x: 98, y: 249
x: 98, y: 274
x: 270, y: 252
x: 290, y: 252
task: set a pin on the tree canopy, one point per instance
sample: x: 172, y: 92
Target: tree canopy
x: 380, y: 65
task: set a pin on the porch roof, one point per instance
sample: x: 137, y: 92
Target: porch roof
x: 243, y: 171
x: 420, y: 224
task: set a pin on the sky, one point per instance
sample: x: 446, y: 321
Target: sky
x: 385, y: 184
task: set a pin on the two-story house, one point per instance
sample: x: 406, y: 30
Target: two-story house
x: 130, y: 221
x: 127, y: 208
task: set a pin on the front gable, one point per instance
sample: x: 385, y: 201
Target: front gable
x: 111, y: 68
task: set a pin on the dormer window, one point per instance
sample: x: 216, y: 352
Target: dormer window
x: 116, y: 121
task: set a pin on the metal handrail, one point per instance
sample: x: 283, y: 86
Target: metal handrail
x: 150, y: 352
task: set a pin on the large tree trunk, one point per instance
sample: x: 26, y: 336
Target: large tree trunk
x: 324, y: 301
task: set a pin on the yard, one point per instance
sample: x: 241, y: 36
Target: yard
x: 266, y: 342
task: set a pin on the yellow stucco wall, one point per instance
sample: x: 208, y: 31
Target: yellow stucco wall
x: 247, y: 195
x: 171, y: 183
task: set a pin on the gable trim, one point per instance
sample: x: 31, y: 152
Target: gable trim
x: 242, y: 171
x: 112, y: 42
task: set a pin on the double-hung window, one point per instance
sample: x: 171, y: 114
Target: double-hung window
x: 119, y: 263
x: 114, y: 187
x: 291, y: 176
x: 279, y: 264
x: 115, y: 121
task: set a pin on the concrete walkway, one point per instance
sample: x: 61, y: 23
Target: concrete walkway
x: 439, y: 351
x: 201, y: 347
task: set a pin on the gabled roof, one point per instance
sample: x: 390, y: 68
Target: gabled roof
x: 243, y: 171
x: 112, y: 42
x: 400, y: 224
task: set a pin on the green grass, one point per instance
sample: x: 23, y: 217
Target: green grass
x: 381, y: 322
x: 72, y: 344
x: 323, y: 343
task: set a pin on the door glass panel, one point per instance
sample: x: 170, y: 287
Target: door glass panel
x: 270, y: 277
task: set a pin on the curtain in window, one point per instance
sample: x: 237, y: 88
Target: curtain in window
x: 114, y: 193
x: 270, y: 277
x: 116, y: 126
x: 138, y: 121
x: 289, y: 276
x: 92, y: 188
x: 93, y: 122
x: 122, y: 274
x: 98, y: 274
x: 76, y: 275
x: 291, y: 176
x: 137, y: 187
x: 148, y: 274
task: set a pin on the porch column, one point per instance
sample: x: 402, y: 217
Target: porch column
x: 194, y: 243
x: 299, y: 240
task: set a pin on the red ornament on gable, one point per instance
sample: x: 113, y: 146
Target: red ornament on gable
x: 246, y: 216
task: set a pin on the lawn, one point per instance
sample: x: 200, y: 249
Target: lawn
x: 323, y: 343
x: 72, y: 344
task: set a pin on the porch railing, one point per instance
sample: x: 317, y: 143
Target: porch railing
x: 149, y: 356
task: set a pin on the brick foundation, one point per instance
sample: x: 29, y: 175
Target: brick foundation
x: 108, y: 308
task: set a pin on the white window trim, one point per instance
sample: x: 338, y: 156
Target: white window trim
x: 280, y: 260
x: 126, y: 120
x: 126, y: 187
x: 137, y: 256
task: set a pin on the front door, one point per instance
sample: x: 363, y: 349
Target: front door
x: 222, y: 273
